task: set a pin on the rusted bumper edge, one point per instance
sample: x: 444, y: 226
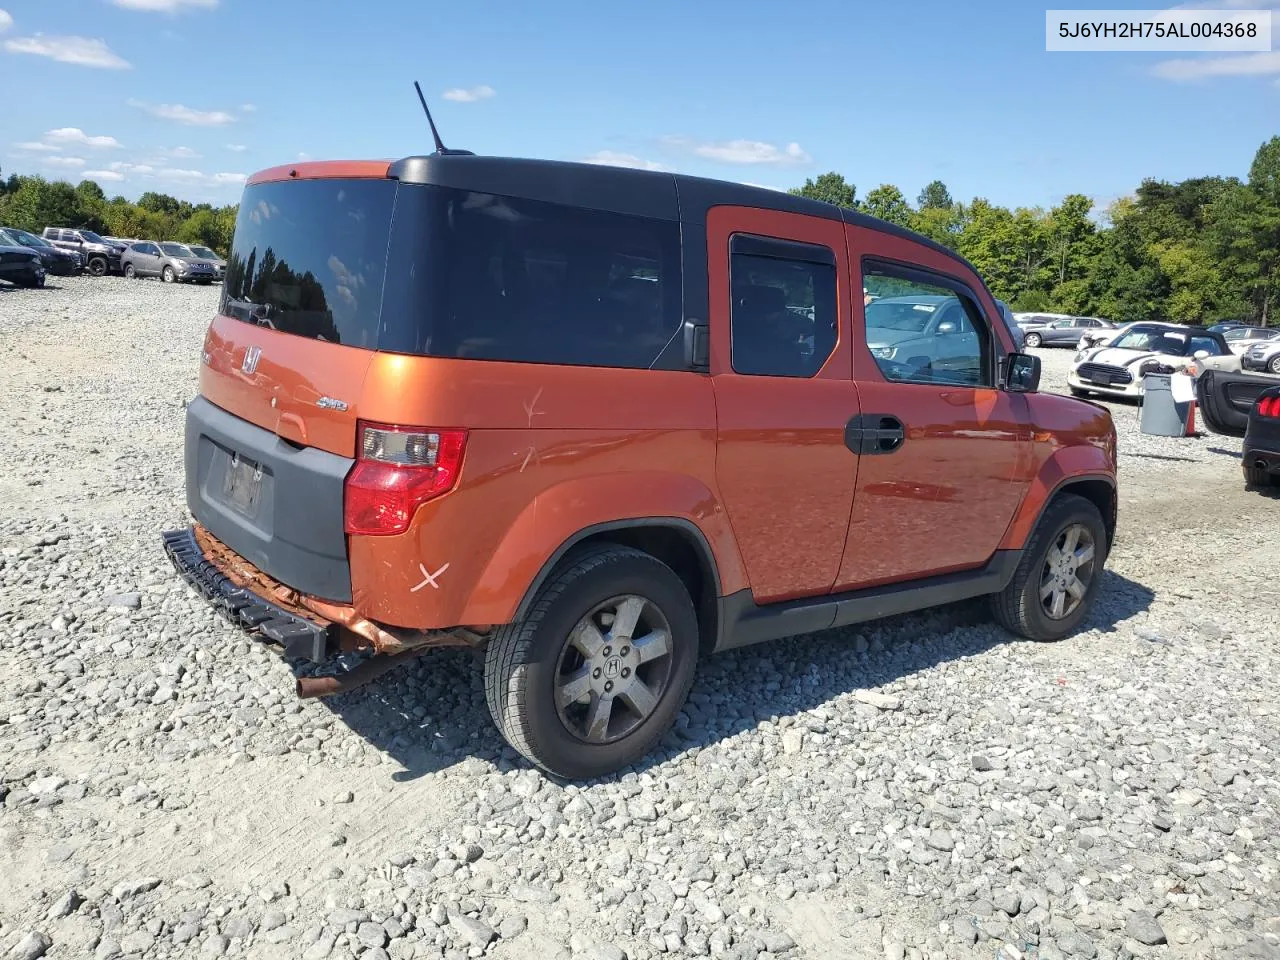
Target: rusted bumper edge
x: 302, y: 637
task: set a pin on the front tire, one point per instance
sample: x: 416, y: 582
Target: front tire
x: 1274, y: 364
x: 1057, y: 578
x: 594, y: 675
x: 1034, y: 340
x: 97, y: 266
x: 129, y: 272
x: 169, y: 275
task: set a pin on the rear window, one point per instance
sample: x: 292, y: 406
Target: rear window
x: 450, y: 273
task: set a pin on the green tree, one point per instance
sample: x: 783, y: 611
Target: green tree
x: 935, y: 196
x: 830, y: 188
x: 887, y: 202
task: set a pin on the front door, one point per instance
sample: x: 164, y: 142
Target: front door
x: 940, y: 490
x: 780, y: 364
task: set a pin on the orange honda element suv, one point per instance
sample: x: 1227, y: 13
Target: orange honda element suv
x: 599, y: 422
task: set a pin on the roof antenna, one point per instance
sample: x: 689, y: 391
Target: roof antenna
x: 441, y: 149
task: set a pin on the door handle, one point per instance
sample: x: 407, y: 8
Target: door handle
x: 869, y: 434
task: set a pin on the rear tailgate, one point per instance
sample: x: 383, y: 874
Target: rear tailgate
x: 269, y: 444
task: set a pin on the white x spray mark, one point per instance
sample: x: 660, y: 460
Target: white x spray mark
x: 429, y: 578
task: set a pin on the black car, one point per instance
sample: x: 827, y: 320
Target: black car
x: 1262, y: 441
x: 21, y: 266
x: 58, y: 263
x: 100, y: 257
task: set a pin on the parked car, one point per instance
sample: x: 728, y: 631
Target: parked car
x: 59, y: 263
x: 1261, y: 451
x: 1064, y: 332
x: 491, y: 421
x: 1226, y: 325
x: 1240, y: 339
x: 1024, y: 319
x: 206, y: 253
x: 1263, y: 357
x: 21, y: 266
x: 1117, y: 367
x: 171, y: 262
x: 1015, y: 331
x: 100, y: 256
x: 1225, y: 398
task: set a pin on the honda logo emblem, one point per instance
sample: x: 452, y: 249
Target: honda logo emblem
x: 250, y: 362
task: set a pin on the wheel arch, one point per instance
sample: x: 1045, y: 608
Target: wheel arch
x: 1098, y: 488
x: 677, y: 542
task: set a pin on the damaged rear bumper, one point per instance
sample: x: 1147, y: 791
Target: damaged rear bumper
x: 302, y: 637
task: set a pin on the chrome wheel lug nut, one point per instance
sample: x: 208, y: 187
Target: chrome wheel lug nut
x: 596, y: 673
x: 608, y: 686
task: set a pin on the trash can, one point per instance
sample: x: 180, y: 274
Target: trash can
x: 1167, y: 407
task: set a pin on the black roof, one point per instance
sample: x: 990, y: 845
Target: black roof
x: 647, y: 193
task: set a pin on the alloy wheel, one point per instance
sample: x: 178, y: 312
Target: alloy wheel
x: 614, y: 669
x: 1068, y: 570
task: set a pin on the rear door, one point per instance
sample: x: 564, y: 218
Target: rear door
x: 780, y: 365
x: 940, y: 489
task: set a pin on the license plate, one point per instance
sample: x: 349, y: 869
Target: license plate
x: 242, y: 486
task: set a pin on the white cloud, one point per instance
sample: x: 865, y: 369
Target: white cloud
x: 64, y: 161
x: 166, y: 6
x: 34, y: 147
x: 1241, y: 65
x: 743, y: 151
x: 141, y: 168
x: 225, y: 178
x: 248, y: 107
x: 69, y: 135
x: 186, y: 115
x: 6, y: 20
x: 108, y: 175
x: 304, y: 156
x: 612, y: 158
x: 237, y: 147
x: 182, y: 152
x: 469, y: 95
x: 81, y: 51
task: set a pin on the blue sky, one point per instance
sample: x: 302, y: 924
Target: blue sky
x: 187, y: 96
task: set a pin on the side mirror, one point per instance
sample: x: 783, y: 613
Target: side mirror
x: 1201, y: 354
x: 1022, y: 373
x: 946, y: 326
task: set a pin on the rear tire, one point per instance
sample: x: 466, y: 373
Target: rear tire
x: 168, y: 275
x: 1034, y: 340
x: 1258, y: 477
x: 129, y: 272
x: 1022, y: 607
x: 534, y: 666
x: 97, y: 266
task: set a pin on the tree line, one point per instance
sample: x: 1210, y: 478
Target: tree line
x: 33, y: 203
x: 1199, y: 251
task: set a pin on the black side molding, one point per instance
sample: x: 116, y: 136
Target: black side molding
x: 742, y: 622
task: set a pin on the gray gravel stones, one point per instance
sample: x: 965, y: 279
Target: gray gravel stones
x: 923, y: 787
x: 31, y: 947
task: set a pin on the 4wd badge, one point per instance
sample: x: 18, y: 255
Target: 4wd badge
x: 250, y: 362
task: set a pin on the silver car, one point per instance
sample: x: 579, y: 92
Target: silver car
x: 1065, y: 332
x: 206, y: 253
x: 170, y: 262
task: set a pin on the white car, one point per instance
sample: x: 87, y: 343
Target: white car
x: 1116, y: 368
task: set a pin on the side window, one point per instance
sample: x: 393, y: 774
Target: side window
x: 926, y: 328
x: 1207, y: 344
x: 783, y: 306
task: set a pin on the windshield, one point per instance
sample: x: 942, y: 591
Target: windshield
x: 88, y: 236
x: 24, y: 239
x: 1170, y: 342
x: 906, y: 315
x: 203, y: 252
x: 175, y: 250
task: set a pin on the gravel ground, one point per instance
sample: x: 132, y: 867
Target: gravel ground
x: 922, y: 787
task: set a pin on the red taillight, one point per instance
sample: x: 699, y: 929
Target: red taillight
x: 1269, y: 407
x: 397, y: 470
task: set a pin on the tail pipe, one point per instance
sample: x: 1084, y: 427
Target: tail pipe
x: 371, y: 669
